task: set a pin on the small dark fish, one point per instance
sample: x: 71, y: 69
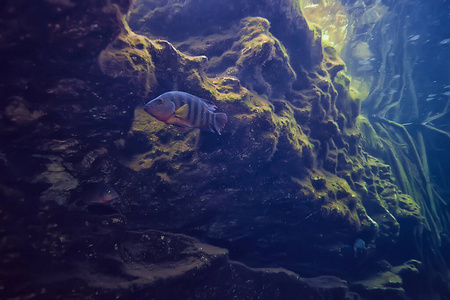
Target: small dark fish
x: 357, y: 250
x: 359, y: 247
x: 186, y: 110
x: 99, y: 193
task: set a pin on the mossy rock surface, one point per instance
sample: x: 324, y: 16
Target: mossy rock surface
x: 293, y: 180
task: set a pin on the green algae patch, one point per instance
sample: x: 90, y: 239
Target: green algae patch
x: 388, y: 284
x: 144, y: 62
x: 229, y: 89
x: 128, y: 56
x: 347, y: 103
x: 370, y: 139
x: 341, y: 207
x: 332, y: 62
x: 169, y: 146
x: 257, y: 58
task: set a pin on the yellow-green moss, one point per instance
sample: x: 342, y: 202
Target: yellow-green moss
x: 176, y: 142
x: 122, y: 59
x: 370, y: 139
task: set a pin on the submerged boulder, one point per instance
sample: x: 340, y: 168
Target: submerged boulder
x: 257, y: 184
x: 76, y: 255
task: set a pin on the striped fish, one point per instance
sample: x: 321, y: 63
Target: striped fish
x: 186, y: 110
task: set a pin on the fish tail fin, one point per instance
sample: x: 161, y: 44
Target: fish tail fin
x: 219, y: 121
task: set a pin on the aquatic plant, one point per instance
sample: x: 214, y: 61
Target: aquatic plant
x: 398, y: 113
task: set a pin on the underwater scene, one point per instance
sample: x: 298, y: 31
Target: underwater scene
x: 225, y: 149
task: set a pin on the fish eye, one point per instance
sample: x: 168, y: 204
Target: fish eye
x: 159, y: 101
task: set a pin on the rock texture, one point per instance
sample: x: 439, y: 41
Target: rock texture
x: 95, y: 257
x: 288, y: 168
x: 388, y: 284
x: 286, y: 185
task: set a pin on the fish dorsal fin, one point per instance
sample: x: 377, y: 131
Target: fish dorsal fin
x: 182, y: 111
x: 209, y: 105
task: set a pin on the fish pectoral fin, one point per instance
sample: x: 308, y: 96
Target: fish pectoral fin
x: 172, y: 120
x: 182, y: 111
x: 175, y: 120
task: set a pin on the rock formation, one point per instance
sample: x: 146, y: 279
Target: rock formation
x: 289, y: 184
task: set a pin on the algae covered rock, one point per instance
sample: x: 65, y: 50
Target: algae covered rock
x: 292, y: 182
x: 388, y: 284
x: 91, y: 256
x: 257, y: 59
x: 239, y: 187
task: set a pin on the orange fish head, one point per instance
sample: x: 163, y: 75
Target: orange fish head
x: 160, y: 108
